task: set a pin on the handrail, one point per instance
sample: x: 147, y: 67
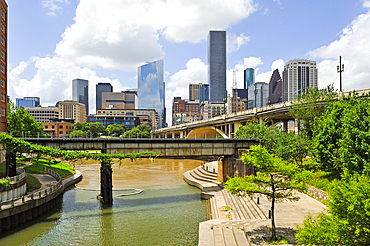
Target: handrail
x: 16, y: 178
x: 36, y: 195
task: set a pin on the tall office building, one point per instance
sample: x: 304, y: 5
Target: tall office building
x: 119, y: 100
x: 275, y: 88
x: 80, y: 92
x: 3, y: 65
x: 27, y: 102
x: 298, y: 76
x: 217, y: 65
x: 100, y: 88
x: 199, y: 92
x: 70, y: 109
x: 249, y: 77
x: 151, y: 88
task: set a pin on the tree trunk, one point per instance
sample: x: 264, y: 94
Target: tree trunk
x: 11, y: 166
x: 273, y: 228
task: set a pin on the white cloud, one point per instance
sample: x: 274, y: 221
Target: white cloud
x: 235, y: 42
x: 53, y: 80
x: 366, y: 3
x: 115, y: 34
x: 53, y: 5
x: 353, y: 46
x: 178, y: 84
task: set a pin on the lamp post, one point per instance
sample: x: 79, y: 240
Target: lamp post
x: 340, y: 70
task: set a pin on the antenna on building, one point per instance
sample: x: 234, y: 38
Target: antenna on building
x: 234, y: 79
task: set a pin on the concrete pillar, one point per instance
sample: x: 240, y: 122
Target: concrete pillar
x: 106, y: 182
x: 225, y: 168
x: 10, y: 194
x: 182, y: 134
x: 4, y: 196
x: 297, y: 126
x: 173, y: 135
x: 285, y: 125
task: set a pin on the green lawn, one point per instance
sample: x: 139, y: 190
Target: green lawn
x: 32, y: 183
x: 61, y: 168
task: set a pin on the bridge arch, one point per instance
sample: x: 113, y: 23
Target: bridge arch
x: 206, y: 132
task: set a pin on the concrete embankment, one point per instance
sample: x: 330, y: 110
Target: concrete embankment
x: 19, y: 210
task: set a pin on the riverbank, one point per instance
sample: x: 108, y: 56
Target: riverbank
x: 239, y: 220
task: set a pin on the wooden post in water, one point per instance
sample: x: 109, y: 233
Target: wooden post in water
x: 106, y: 182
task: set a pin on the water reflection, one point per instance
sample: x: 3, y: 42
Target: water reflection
x: 168, y: 212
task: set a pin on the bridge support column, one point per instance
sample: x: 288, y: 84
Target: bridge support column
x: 285, y: 126
x: 225, y: 168
x: 297, y: 126
x: 106, y: 183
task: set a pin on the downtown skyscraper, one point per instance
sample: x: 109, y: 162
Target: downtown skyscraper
x: 100, y: 88
x: 217, y: 65
x: 298, y: 76
x: 151, y: 88
x: 80, y: 92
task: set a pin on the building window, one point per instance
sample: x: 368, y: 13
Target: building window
x: 2, y: 68
x: 3, y: 97
x: 61, y: 132
x: 3, y: 111
x: 2, y: 27
x: 3, y: 54
x: 46, y: 127
x: 52, y: 127
x: 3, y: 14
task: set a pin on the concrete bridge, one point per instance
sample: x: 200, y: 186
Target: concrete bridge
x: 168, y: 147
x: 226, y: 125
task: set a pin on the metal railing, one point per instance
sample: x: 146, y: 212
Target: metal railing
x: 17, y: 178
x: 36, y: 195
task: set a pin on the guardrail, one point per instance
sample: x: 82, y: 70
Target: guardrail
x: 36, y: 195
x: 16, y: 178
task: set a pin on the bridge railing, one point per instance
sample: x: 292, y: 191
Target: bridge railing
x: 36, y: 195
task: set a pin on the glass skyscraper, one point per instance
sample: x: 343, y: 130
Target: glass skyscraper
x: 249, y: 77
x: 151, y: 88
x: 80, y: 92
x: 217, y: 65
x: 258, y: 94
x: 100, y: 88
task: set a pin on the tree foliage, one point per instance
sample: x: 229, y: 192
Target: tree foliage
x: 141, y: 131
x: 275, y: 178
x: 116, y: 129
x: 312, y: 105
x: 20, y: 121
x: 341, y: 136
x: 88, y: 130
x: 347, y: 220
x: 287, y: 146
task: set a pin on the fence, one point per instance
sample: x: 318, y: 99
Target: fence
x: 16, y: 178
x: 36, y: 195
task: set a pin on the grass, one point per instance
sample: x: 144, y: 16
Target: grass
x: 279, y: 240
x: 322, y: 180
x: 32, y: 183
x: 61, y: 168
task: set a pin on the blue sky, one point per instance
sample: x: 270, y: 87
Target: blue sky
x: 51, y: 42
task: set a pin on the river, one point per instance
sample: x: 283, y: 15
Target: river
x: 167, y: 212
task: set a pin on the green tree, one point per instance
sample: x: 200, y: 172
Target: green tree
x: 78, y: 126
x: 275, y: 178
x: 347, y: 220
x: 288, y: 146
x: 141, y: 131
x: 116, y: 129
x: 312, y: 105
x: 19, y: 120
x: 341, y: 136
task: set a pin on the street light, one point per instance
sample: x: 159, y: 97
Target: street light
x: 340, y: 70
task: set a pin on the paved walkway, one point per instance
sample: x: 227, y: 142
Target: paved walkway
x: 241, y: 220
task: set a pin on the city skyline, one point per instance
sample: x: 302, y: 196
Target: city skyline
x: 53, y: 42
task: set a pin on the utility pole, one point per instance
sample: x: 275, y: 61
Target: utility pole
x: 340, y: 70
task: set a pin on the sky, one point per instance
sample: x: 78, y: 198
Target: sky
x: 52, y: 42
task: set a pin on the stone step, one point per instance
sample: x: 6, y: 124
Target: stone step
x: 208, y: 171
x: 240, y: 236
x: 206, y: 174
x: 218, y: 236
x: 196, y: 176
x: 229, y: 238
x: 201, y: 175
